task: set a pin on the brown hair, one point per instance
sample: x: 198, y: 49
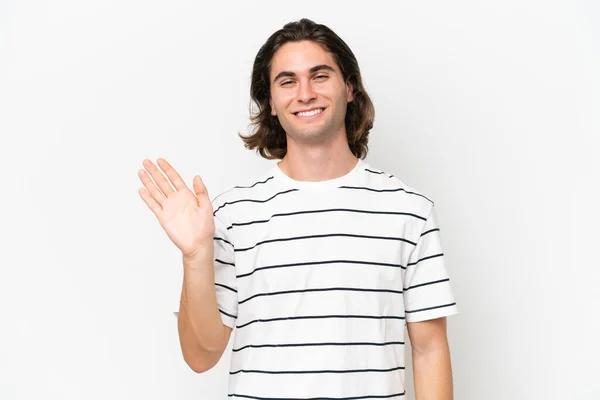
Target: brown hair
x: 269, y: 138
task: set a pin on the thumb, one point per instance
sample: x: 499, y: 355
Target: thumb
x: 199, y: 187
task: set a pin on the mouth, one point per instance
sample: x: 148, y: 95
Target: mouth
x: 309, y: 113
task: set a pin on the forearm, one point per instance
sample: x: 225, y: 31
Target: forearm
x: 433, y: 373
x: 201, y: 330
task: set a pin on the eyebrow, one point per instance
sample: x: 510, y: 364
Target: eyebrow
x: 322, y: 67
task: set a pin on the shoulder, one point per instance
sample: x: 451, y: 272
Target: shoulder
x: 246, y: 189
x: 380, y: 180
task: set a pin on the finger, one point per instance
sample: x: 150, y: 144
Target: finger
x: 199, y: 187
x: 150, y: 202
x: 173, y: 176
x: 201, y: 192
x: 159, y: 178
x: 156, y: 194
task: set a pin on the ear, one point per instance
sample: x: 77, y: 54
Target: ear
x: 349, y: 92
x: 273, y: 112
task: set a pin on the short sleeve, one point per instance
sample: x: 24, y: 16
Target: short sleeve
x: 225, y: 276
x: 427, y: 290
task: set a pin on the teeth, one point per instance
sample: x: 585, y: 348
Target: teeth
x: 310, y: 113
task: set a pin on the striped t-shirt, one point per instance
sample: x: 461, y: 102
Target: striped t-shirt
x: 319, y: 279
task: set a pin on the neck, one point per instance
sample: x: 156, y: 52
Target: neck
x: 313, y: 163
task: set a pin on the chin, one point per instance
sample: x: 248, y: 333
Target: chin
x: 310, y: 133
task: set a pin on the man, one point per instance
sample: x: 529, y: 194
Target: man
x: 320, y: 263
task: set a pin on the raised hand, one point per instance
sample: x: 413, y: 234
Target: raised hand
x: 186, y: 216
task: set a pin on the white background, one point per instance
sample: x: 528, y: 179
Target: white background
x: 490, y: 108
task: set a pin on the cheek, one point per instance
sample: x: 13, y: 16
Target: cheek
x: 334, y: 92
x: 280, y: 101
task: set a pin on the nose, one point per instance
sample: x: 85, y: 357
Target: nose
x: 306, y: 92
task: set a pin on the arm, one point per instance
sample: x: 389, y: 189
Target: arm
x: 202, y: 334
x: 431, y: 359
x: 188, y: 219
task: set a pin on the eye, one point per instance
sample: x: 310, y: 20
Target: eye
x: 286, y: 83
x: 321, y: 77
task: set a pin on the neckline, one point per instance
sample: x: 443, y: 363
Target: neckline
x: 317, y: 185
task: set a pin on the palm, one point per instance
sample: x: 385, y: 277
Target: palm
x: 186, y: 216
x: 186, y: 223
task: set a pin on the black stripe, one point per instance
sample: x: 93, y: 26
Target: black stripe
x: 242, y: 187
x: 372, y: 396
x: 345, y: 344
x: 429, y: 231
x: 430, y: 308
x: 327, y: 235
x: 427, y: 283
x: 378, y: 172
x: 318, y: 317
x: 320, y: 290
x: 226, y: 287
x: 324, y: 371
x: 425, y: 258
x: 224, y: 262
x: 250, y: 187
x: 374, y: 172
x: 321, y: 262
x: 324, y: 211
x: 252, y: 200
x: 224, y: 240
x: 229, y: 315
x: 385, y: 190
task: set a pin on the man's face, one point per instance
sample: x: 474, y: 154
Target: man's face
x: 308, y: 93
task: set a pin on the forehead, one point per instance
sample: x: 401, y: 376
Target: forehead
x: 300, y: 57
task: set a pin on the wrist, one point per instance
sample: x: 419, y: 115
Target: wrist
x: 202, y: 254
x: 201, y: 250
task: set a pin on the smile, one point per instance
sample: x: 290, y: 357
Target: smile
x: 310, y: 113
